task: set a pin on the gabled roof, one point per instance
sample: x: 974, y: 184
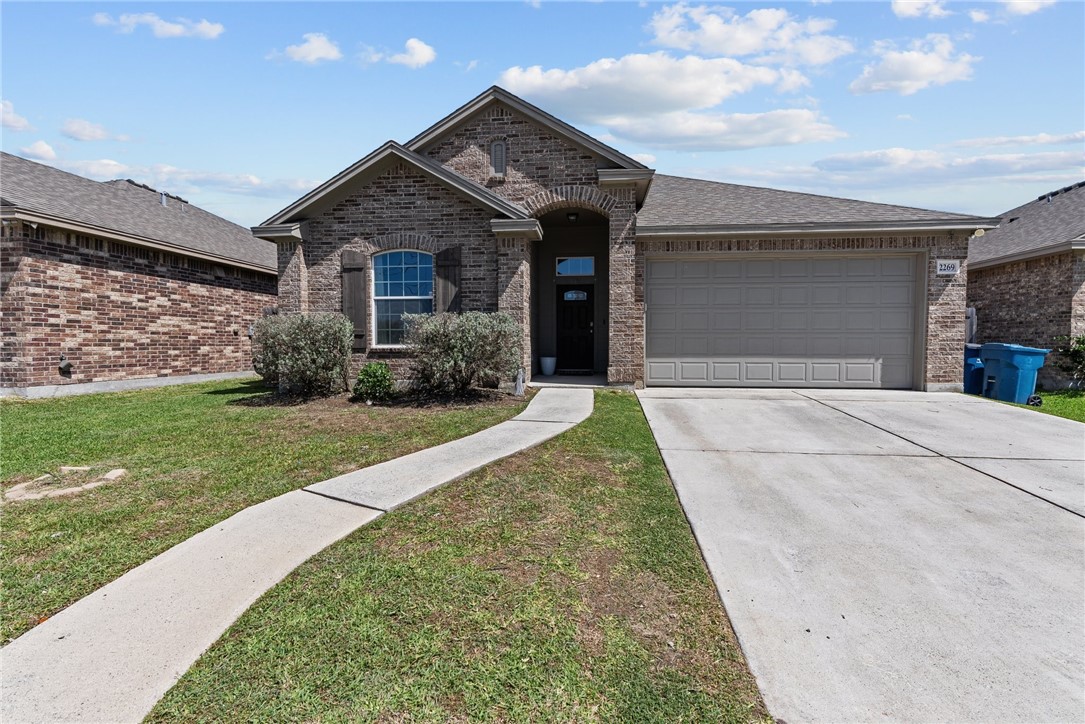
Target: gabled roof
x: 685, y: 206
x: 127, y: 211
x: 1051, y: 224
x: 339, y: 186
x: 496, y: 94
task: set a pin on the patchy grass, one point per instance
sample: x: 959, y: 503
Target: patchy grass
x: 195, y: 455
x: 1064, y: 403
x: 561, y: 584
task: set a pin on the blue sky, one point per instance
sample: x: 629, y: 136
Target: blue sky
x: 242, y: 107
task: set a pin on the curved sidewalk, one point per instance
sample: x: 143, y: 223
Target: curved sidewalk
x: 112, y: 655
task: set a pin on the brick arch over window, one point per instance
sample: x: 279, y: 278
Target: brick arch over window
x: 399, y: 240
x: 565, y: 197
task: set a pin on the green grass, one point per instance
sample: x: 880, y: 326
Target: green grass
x: 561, y: 584
x: 195, y: 455
x: 1064, y: 403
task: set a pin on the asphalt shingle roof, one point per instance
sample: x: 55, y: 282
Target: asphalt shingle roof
x: 1044, y: 222
x: 129, y: 208
x: 677, y: 201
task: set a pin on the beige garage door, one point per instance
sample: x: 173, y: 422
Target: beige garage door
x: 829, y: 321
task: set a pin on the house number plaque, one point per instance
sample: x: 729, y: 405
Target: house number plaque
x: 948, y: 267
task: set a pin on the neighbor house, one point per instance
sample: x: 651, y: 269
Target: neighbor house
x: 614, y: 269
x: 1026, y: 278
x: 112, y: 284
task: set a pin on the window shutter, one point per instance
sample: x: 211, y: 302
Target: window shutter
x: 448, y: 281
x: 354, y: 295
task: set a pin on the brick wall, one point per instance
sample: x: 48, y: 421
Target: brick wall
x: 1030, y: 302
x: 119, y: 311
x: 945, y: 295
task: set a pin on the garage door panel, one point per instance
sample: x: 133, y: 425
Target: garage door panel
x: 834, y: 321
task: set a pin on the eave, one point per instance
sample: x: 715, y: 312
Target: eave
x: 529, y: 229
x: 714, y: 231
x: 641, y: 178
x: 13, y: 213
x: 1050, y: 250
x: 296, y: 231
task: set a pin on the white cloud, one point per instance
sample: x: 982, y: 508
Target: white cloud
x: 905, y: 117
x: 178, y: 28
x: 39, y: 150
x: 899, y: 165
x: 979, y: 16
x: 317, y: 48
x: 646, y: 158
x: 1043, y: 139
x: 10, y: 119
x: 928, y: 61
x: 177, y: 180
x: 82, y: 130
x: 416, y: 55
x: 1026, y: 7
x: 725, y: 131
x: 101, y: 169
x: 773, y: 35
x: 920, y: 8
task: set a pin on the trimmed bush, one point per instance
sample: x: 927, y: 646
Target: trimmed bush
x: 451, y: 353
x: 307, y: 354
x: 1070, y: 358
x: 375, y: 383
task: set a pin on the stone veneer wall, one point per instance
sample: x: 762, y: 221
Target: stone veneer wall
x: 943, y: 365
x: 119, y: 311
x: 1031, y: 302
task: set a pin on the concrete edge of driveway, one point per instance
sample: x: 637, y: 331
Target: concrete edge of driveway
x: 113, y: 654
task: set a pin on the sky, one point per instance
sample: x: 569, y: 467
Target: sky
x: 241, y: 108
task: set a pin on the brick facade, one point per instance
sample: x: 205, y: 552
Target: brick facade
x: 1031, y: 302
x: 119, y: 311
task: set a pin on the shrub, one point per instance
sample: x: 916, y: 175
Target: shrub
x: 1071, y: 357
x: 451, y: 353
x: 375, y: 382
x: 307, y: 354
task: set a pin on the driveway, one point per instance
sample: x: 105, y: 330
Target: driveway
x: 889, y: 555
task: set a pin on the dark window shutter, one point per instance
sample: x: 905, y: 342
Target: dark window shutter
x: 448, y: 280
x: 354, y: 295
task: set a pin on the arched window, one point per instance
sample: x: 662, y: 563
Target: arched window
x: 498, y: 157
x: 402, y: 284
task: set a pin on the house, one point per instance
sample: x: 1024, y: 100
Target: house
x: 109, y: 285
x: 612, y: 268
x: 1026, y: 279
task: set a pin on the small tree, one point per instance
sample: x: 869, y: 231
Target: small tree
x: 451, y: 353
x: 1070, y: 358
x: 375, y: 383
x: 308, y: 354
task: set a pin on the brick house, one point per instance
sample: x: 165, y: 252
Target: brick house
x: 614, y: 269
x: 110, y: 285
x: 1026, y: 278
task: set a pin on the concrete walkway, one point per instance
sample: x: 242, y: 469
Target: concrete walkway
x: 889, y: 556
x: 112, y: 655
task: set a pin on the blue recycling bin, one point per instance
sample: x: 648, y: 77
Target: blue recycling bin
x: 973, y: 370
x: 1009, y: 371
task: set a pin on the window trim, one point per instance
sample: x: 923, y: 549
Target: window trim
x: 557, y: 266
x: 373, y: 298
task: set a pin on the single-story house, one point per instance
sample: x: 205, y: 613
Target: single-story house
x: 108, y: 285
x: 612, y: 268
x: 1026, y: 279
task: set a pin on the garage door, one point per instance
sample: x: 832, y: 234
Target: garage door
x: 829, y: 321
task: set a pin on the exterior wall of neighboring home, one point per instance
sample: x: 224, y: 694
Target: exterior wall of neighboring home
x: 944, y: 305
x: 1031, y: 302
x: 119, y: 311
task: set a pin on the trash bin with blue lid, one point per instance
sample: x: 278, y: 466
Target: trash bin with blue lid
x: 973, y: 370
x: 1009, y: 371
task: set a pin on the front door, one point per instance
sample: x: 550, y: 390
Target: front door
x: 576, y: 328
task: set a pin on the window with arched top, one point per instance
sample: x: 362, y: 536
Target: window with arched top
x: 402, y: 284
x: 498, y: 160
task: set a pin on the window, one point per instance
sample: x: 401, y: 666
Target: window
x: 402, y: 284
x: 497, y: 157
x: 576, y: 266
x: 576, y: 295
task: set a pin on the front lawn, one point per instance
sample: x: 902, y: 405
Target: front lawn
x: 562, y: 584
x: 195, y: 455
x: 1064, y: 403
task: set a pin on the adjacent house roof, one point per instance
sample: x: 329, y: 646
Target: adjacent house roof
x: 685, y: 206
x: 496, y: 94
x: 1052, y: 224
x: 340, y: 185
x: 126, y: 211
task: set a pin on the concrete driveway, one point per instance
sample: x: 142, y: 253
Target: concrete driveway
x: 889, y: 555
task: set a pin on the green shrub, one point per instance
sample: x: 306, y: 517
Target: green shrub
x: 451, y: 353
x: 307, y: 354
x: 1070, y: 357
x: 375, y: 383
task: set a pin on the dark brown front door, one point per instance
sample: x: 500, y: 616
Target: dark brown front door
x: 576, y: 328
